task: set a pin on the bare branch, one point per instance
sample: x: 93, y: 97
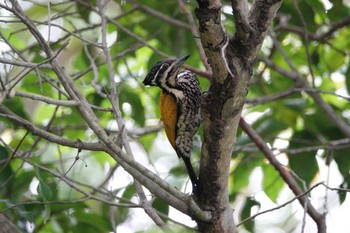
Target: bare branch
x: 240, y: 13
x: 260, y: 18
x: 24, y: 64
x: 46, y: 99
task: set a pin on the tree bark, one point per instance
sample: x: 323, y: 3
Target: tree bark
x: 231, y: 60
x: 6, y: 226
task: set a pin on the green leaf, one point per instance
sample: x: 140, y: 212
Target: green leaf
x: 161, y: 206
x: 337, y: 60
x: 344, y: 185
x: 343, y: 162
x: 178, y: 171
x: 338, y: 10
x: 45, y: 193
x: 47, y: 213
x: 5, y: 169
x: 92, y: 222
x: 20, y: 185
x: 128, y: 193
x: 15, y: 105
x: 44, y: 189
x: 250, y: 202
x: 297, y: 162
x: 272, y: 182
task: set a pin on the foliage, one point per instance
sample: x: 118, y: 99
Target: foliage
x: 47, y: 187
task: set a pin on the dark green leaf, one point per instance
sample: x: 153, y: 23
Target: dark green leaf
x: 304, y: 164
x: 347, y: 78
x: 20, y: 185
x: 5, y: 170
x: 161, y: 206
x: 93, y: 221
x: 343, y: 162
x: 250, y: 202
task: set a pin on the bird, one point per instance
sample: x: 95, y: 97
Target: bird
x: 180, y: 101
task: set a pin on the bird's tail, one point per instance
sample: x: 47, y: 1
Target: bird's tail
x: 192, y: 175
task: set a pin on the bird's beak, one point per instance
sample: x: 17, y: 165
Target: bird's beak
x: 180, y: 61
x: 148, y: 80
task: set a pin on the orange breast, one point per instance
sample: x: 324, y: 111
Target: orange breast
x: 168, y: 111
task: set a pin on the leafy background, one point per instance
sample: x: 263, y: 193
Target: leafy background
x: 37, y: 177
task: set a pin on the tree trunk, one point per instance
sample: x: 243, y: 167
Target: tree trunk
x: 231, y: 60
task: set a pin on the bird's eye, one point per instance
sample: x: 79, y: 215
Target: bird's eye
x: 163, y: 67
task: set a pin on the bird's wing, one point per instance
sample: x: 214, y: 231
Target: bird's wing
x: 168, y: 111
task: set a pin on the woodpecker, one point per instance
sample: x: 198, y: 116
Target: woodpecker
x: 179, y: 107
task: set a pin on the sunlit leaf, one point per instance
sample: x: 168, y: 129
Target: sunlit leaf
x: 272, y: 182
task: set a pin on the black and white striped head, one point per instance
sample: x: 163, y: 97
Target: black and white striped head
x: 163, y: 73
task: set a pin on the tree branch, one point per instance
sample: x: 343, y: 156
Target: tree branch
x: 7, y: 226
x: 240, y: 13
x: 45, y: 99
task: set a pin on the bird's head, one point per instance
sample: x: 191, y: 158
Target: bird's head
x: 164, y: 72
